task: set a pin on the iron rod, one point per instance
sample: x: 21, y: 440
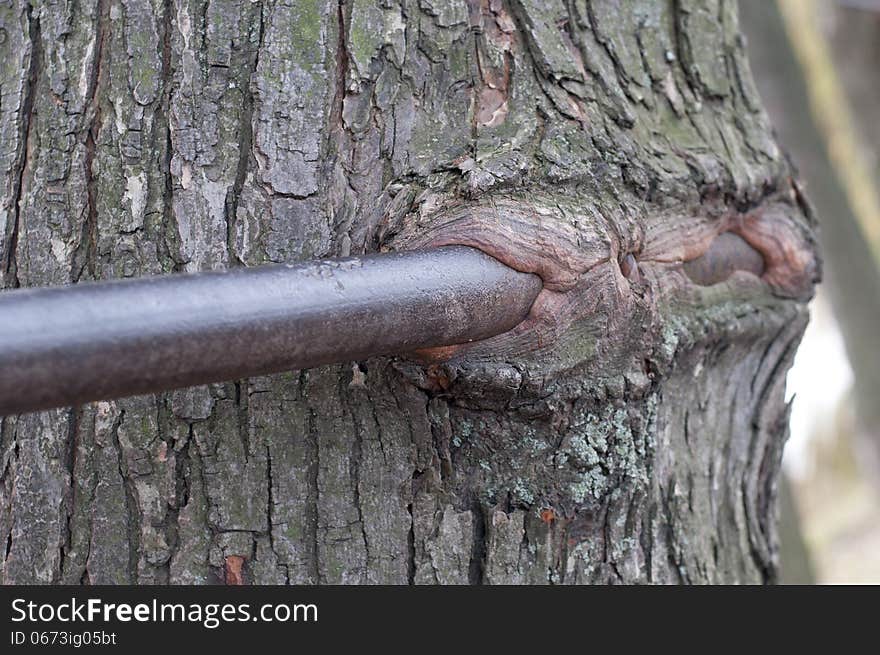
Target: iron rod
x: 62, y: 346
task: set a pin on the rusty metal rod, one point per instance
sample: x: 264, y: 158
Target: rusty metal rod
x: 62, y: 346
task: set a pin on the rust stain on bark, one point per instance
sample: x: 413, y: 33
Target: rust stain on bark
x: 234, y: 570
x: 496, y: 33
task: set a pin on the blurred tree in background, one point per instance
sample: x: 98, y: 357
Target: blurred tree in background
x: 814, y: 63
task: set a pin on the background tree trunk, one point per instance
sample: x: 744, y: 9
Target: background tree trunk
x: 847, y: 203
x: 630, y: 430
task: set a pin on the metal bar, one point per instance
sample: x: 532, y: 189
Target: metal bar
x: 62, y: 346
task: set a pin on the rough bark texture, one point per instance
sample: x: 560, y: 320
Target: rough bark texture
x: 629, y: 431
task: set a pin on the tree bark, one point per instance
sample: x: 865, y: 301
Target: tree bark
x: 630, y: 430
x: 852, y: 276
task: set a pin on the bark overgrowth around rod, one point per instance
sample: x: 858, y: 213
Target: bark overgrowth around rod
x: 629, y: 430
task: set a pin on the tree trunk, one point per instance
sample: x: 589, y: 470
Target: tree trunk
x: 630, y: 430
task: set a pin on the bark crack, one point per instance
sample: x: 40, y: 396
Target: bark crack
x: 163, y: 114
x: 480, y: 544
x: 132, y: 510
x: 411, y: 547
x: 355, y: 470
x: 73, y: 432
x: 10, y: 266
x: 85, y: 257
x: 245, y: 144
x: 4, y: 429
x: 313, y: 494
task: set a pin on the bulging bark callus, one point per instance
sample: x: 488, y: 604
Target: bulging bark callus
x: 608, y: 280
